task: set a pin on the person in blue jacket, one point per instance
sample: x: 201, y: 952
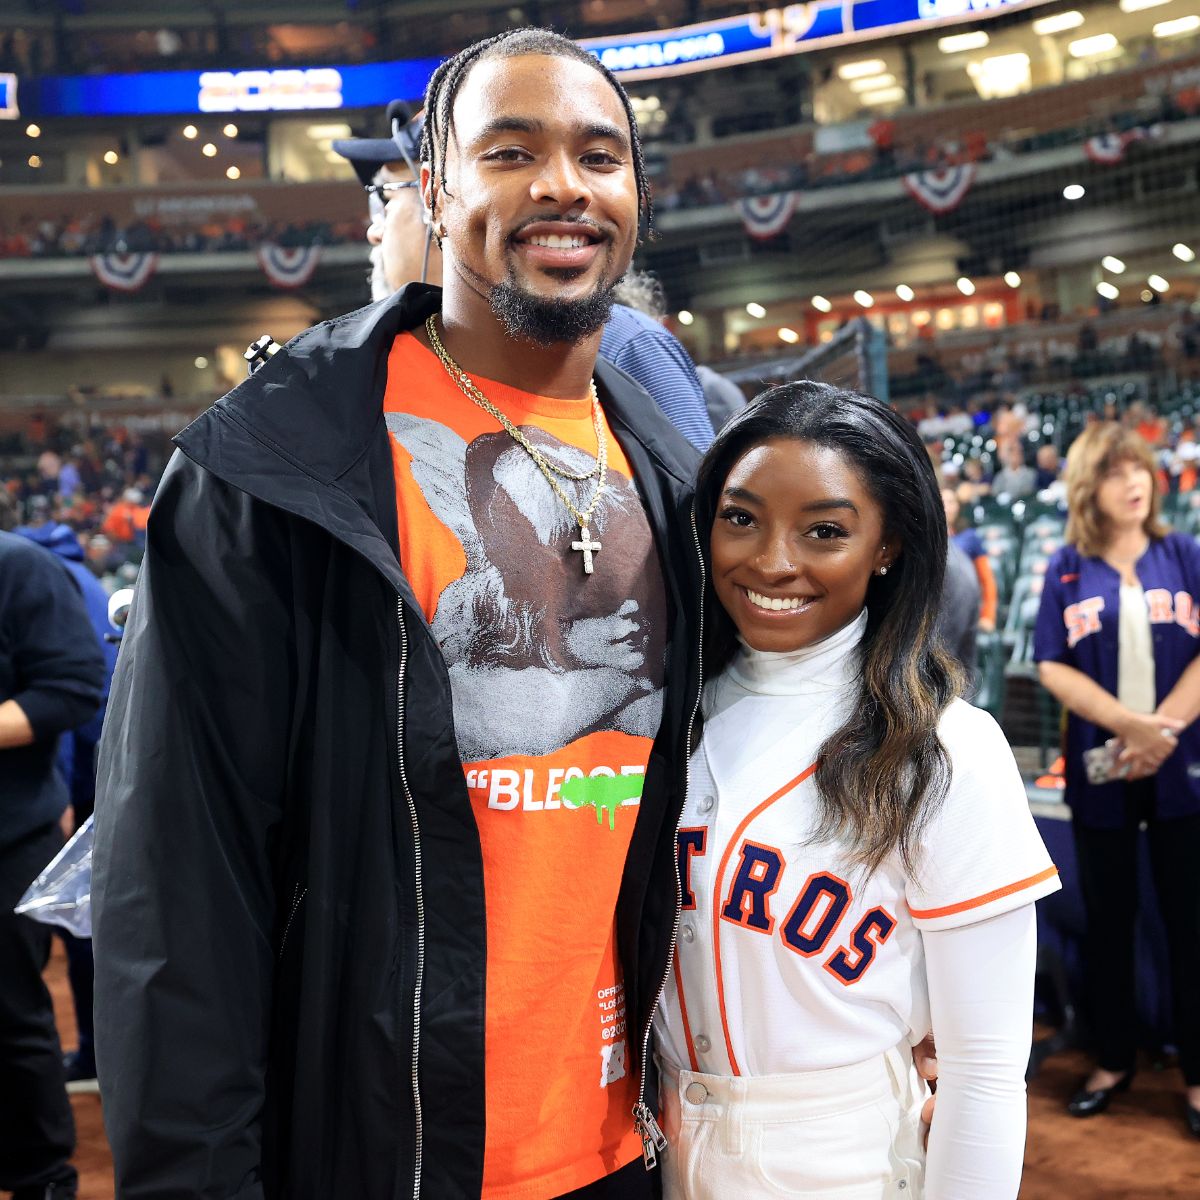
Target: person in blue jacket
x: 77, y: 761
x: 51, y: 681
x: 1117, y: 642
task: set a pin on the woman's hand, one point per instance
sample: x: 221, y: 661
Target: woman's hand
x: 1147, y: 741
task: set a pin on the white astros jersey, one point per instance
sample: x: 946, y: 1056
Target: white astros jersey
x: 790, y: 959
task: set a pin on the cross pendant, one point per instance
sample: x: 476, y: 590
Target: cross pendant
x: 587, y: 546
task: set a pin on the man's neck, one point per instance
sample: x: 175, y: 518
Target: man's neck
x: 479, y: 343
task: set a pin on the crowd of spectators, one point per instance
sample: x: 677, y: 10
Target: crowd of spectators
x: 98, y: 483
x: 69, y: 235
x: 891, y: 154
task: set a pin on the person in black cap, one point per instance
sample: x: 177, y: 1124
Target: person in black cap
x: 403, y: 250
x: 389, y: 169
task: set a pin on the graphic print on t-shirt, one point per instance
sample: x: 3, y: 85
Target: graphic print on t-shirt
x: 556, y: 678
x: 511, y: 643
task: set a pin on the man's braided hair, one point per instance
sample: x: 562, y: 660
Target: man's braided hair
x: 448, y: 78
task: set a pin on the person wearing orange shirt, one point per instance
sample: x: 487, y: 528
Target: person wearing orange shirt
x: 375, y: 870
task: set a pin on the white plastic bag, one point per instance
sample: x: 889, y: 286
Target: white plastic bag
x: 62, y: 893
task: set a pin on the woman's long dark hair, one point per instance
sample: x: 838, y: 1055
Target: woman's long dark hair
x: 883, y: 774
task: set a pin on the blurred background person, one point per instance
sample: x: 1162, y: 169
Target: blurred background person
x: 77, y: 764
x: 966, y: 540
x: 1014, y: 480
x: 1117, y: 637
x: 51, y: 682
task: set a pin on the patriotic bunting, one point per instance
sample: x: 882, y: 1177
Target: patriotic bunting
x: 124, y: 272
x: 288, y: 266
x: 941, y: 190
x: 766, y: 217
x: 1109, y: 148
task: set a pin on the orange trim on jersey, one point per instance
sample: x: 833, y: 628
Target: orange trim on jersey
x: 1069, y: 578
x: 926, y: 914
x: 687, y: 1027
x: 718, y: 903
x: 989, y: 598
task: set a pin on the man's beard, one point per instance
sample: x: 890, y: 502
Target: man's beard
x: 548, y: 322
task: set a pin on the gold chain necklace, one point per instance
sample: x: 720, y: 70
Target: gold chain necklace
x: 585, y: 545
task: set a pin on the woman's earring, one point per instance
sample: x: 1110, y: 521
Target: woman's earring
x: 883, y: 570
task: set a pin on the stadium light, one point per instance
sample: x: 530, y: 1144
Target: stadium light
x: 1177, y: 27
x: 33, y: 131
x: 821, y: 304
x: 957, y: 43
x: 1112, y: 264
x: 1131, y: 6
x: 35, y: 161
x: 756, y: 310
x: 1146, y: 295
x: 233, y: 172
x: 965, y: 286
x: 905, y: 292
x: 885, y: 96
x: 1090, y: 47
x: 872, y: 82
x: 1158, y: 283
x: 858, y: 70
x: 230, y: 130
x: 190, y: 131
x: 1182, y: 252
x: 111, y: 157
x: 1012, y: 279
x: 1074, y: 191
x: 1109, y: 291
x: 201, y: 362
x: 208, y: 150
x: 684, y: 317
x: 864, y: 298
x: 1059, y: 23
x: 789, y: 335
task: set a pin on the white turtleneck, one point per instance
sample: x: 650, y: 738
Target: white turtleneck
x: 791, y: 959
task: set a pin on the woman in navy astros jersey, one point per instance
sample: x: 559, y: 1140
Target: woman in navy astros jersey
x: 857, y: 858
x: 1117, y: 639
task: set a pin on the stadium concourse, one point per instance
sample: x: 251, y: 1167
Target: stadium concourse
x: 983, y: 213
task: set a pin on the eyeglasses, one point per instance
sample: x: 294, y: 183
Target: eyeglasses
x: 378, y: 194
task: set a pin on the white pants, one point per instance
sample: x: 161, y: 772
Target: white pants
x: 849, y: 1133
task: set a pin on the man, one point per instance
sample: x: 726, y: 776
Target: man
x: 51, y: 678
x: 403, y: 249
x: 377, y: 909
x: 1015, y: 479
x: 77, y: 763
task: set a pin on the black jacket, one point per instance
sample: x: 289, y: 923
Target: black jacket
x: 51, y: 665
x: 288, y: 893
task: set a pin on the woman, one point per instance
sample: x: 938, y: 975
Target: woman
x: 857, y: 858
x: 1116, y: 642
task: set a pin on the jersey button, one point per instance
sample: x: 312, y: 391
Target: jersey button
x: 703, y: 1044
x: 706, y: 804
x: 688, y: 933
x: 695, y: 1093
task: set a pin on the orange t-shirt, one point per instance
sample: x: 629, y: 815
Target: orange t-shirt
x: 557, y: 680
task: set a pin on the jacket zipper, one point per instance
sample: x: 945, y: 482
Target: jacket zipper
x: 653, y: 1139
x: 416, y: 832
x: 297, y: 899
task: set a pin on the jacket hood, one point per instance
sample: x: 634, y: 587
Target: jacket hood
x: 59, y: 538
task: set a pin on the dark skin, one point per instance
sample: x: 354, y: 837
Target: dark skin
x: 540, y: 148
x: 796, y: 525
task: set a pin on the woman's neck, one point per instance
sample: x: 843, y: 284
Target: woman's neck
x: 1125, y: 547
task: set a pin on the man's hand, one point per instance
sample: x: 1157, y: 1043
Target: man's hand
x: 925, y: 1060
